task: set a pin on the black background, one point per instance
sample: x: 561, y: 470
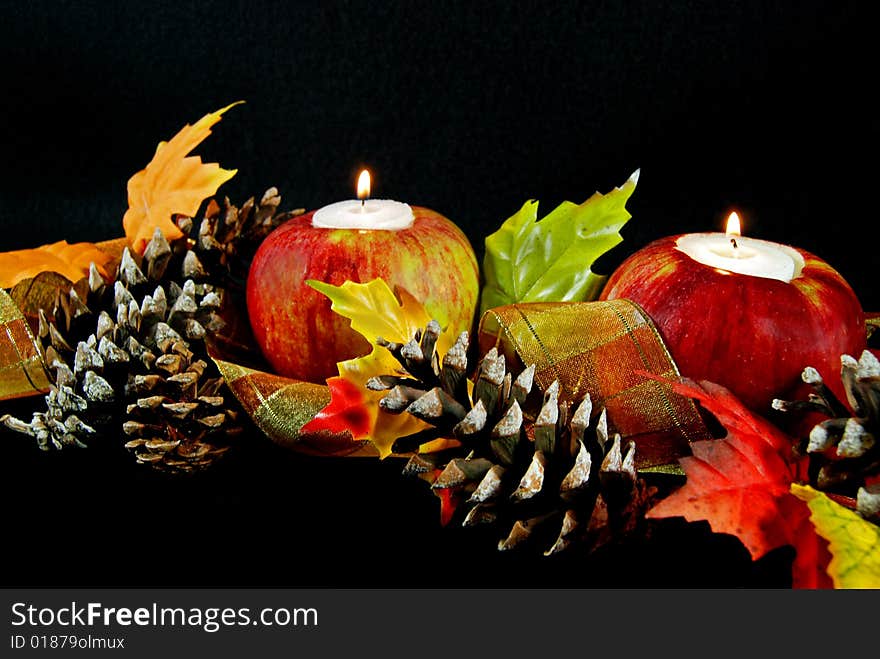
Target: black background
x: 467, y: 108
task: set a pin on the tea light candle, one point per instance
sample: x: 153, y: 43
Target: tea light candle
x: 364, y: 213
x: 732, y: 252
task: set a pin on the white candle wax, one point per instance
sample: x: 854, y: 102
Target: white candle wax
x: 742, y: 255
x: 371, y: 214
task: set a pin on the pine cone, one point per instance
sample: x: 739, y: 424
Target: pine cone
x: 133, y: 352
x: 225, y: 239
x: 844, y: 452
x: 554, y: 479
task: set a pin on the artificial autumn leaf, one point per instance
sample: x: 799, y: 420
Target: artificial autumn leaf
x: 69, y: 260
x: 450, y: 498
x: 346, y: 411
x: 853, y: 541
x: 172, y: 184
x: 550, y: 261
x: 740, y: 485
x: 374, y: 312
x: 872, y: 324
x: 731, y: 413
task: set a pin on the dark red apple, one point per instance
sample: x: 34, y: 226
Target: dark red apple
x: 750, y: 334
x: 293, y: 324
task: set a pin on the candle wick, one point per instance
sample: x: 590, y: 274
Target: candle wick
x: 733, y: 242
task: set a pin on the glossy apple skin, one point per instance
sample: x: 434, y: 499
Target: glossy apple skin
x: 752, y: 335
x: 293, y: 324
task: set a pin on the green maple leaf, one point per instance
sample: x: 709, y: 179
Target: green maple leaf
x: 551, y: 260
x: 853, y: 541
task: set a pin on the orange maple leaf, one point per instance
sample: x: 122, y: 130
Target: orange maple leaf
x: 172, y: 184
x: 70, y: 260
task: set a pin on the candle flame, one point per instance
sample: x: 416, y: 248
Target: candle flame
x: 363, y: 184
x: 733, y: 225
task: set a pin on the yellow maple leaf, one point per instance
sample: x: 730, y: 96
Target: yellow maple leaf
x: 374, y: 311
x: 854, y: 542
x: 70, y: 260
x: 173, y: 183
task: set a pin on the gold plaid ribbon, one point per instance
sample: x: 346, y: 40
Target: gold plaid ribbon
x: 22, y: 370
x: 600, y: 348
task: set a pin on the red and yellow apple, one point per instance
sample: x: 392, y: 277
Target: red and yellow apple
x: 751, y: 334
x: 293, y: 324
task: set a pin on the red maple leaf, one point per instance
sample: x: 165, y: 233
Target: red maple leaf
x: 449, y: 500
x: 346, y: 411
x: 740, y: 485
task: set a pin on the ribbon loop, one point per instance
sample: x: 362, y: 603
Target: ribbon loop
x: 22, y: 370
x: 606, y: 349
